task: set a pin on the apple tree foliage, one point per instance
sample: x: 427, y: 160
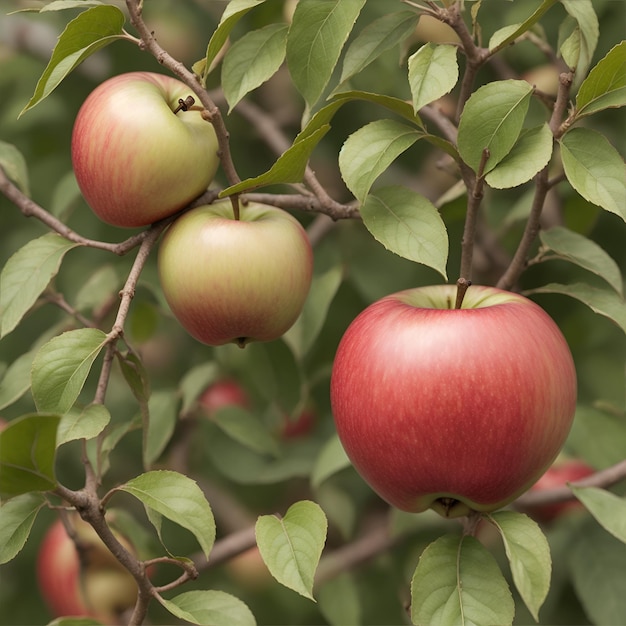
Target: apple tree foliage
x: 417, y: 142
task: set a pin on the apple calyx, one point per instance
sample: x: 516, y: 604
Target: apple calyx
x: 184, y: 105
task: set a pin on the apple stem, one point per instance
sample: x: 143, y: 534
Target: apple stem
x: 234, y: 200
x: 462, y: 286
x: 471, y: 522
x: 184, y: 105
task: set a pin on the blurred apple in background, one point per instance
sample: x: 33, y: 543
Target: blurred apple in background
x: 301, y: 426
x: 225, y: 392
x: 248, y: 570
x: 92, y: 583
x: 563, y: 471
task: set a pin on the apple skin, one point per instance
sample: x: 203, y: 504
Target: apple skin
x: 235, y: 281
x: 558, y: 475
x: 135, y: 161
x: 454, y: 410
x: 102, y: 589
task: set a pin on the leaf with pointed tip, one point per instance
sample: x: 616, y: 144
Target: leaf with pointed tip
x: 369, y: 151
x: 179, y: 499
x: 16, y: 380
x: 583, y: 252
x: 233, y: 12
x: 433, y: 72
x: 91, y: 31
x: 605, y: 86
x: 289, y: 168
x: 61, y: 367
x: 530, y: 154
x: 608, y: 509
x: 26, y: 274
x: 407, y: 224
x: 458, y: 581
x: 378, y: 37
x: 318, y: 32
x: 291, y: 547
x: 162, y: 413
x: 604, y: 302
x: 214, y: 607
x: 492, y: 119
x: 85, y: 424
x: 595, y: 169
x: 252, y: 60
x: 18, y: 516
x: 13, y: 163
x: 586, y: 36
x: 528, y: 553
x: 27, y: 454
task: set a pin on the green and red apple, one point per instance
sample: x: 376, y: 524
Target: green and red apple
x: 457, y: 410
x: 231, y: 280
x: 138, y: 156
x: 92, y: 583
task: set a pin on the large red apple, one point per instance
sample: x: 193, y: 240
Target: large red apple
x: 454, y: 410
x: 558, y: 475
x: 96, y: 585
x: 235, y: 280
x: 136, y: 160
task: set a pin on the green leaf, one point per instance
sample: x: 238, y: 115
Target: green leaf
x: 318, y: 32
x: 27, y: 454
x: 85, y: 424
x: 492, y: 119
x: 61, y: 5
x: 433, y: 72
x: 302, y: 335
x: 13, y: 163
x: 508, y: 34
x: 291, y: 547
x: 407, y: 224
x: 369, y: 151
x: 16, y: 380
x: 247, y: 429
x: 378, y: 37
x: 595, y: 169
x: 61, y: 367
x: 596, y: 566
x: 135, y: 375
x: 586, y: 35
x: 179, y: 499
x: 26, y: 274
x: 584, y: 252
x: 339, y: 601
x: 529, y: 556
x: 457, y: 581
x: 608, y: 509
x: 605, y: 86
x: 530, y: 154
x: 74, y: 621
x: 233, y: 12
x: 597, y: 437
x: 195, y: 381
x: 163, y: 409
x: 289, y: 168
x: 91, y: 31
x: 18, y: 516
x: 99, y: 288
x: 600, y: 301
x: 332, y: 459
x: 252, y: 60
x: 217, y: 608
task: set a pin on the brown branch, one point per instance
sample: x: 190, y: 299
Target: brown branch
x: 602, y: 479
x: 211, y: 112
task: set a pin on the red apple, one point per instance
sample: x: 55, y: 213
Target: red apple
x: 301, y: 426
x: 558, y: 475
x: 452, y: 409
x: 222, y: 393
x: 136, y: 160
x: 98, y: 587
x: 229, y: 280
